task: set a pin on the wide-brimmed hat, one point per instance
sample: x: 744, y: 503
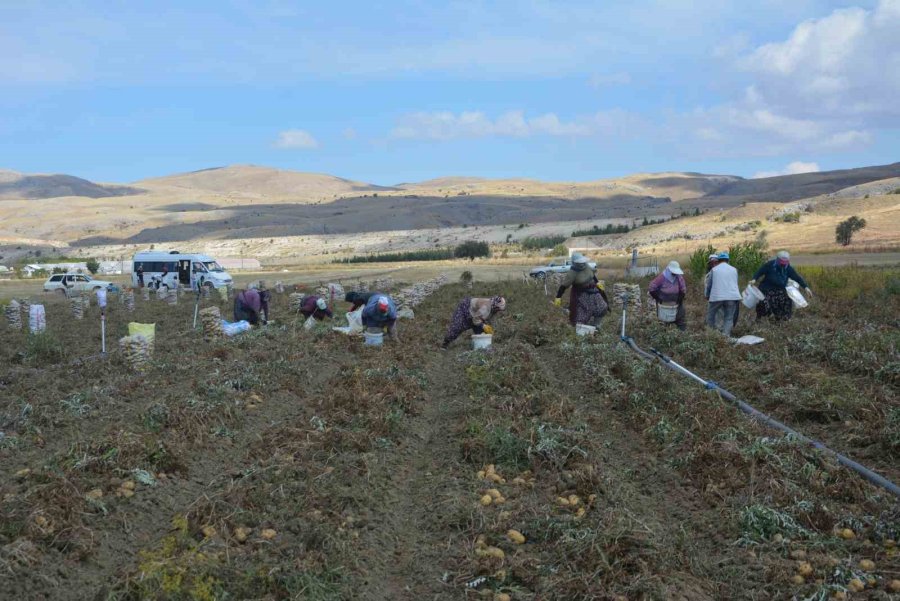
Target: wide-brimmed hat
x: 675, y: 268
x: 579, y: 258
x: 723, y: 256
x: 783, y: 254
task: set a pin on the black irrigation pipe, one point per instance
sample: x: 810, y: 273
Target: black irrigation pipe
x: 757, y: 415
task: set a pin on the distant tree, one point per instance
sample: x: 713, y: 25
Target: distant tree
x: 472, y: 249
x: 843, y: 233
x: 58, y: 270
x: 92, y: 265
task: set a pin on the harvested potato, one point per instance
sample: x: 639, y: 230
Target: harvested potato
x: 486, y: 500
x: 494, y: 493
x: 894, y: 586
x: 798, y: 579
x: 502, y: 597
x: 562, y: 501
x: 268, y: 533
x: 867, y: 565
x: 241, y: 534
x: 798, y: 554
x: 805, y: 569
x: 208, y: 531
x: 23, y: 473
x: 125, y: 492
x: 515, y: 536
x: 580, y: 513
x: 574, y: 500
x: 500, y: 500
x: 846, y: 533
x: 497, y: 478
x: 480, y: 474
x: 856, y: 585
x: 94, y: 494
x: 128, y: 485
x: 495, y: 552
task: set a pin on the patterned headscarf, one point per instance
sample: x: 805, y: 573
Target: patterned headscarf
x: 498, y: 303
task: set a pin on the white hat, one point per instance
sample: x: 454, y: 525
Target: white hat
x: 321, y: 304
x: 675, y: 268
x: 713, y: 257
x: 579, y: 258
x: 783, y: 254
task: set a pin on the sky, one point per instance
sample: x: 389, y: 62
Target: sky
x: 391, y: 92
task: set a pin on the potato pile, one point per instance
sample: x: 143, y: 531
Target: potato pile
x: 415, y: 294
x: 136, y: 350
x: 327, y: 291
x: 172, y: 297
x: 77, y: 306
x: 211, y: 318
x: 13, y: 315
x: 224, y: 293
x: 128, y: 299
x: 630, y: 293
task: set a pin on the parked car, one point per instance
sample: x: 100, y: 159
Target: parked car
x: 558, y: 266
x: 75, y: 282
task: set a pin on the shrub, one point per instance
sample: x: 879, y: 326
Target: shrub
x: 43, y: 348
x: 540, y: 242
x: 609, y: 229
x: 790, y: 217
x: 698, y: 260
x: 746, y: 257
x: 559, y: 249
x: 437, y: 254
x: 472, y: 249
x: 843, y: 233
x: 92, y: 265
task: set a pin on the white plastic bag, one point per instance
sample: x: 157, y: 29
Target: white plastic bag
x: 233, y: 329
x: 37, y: 319
x: 751, y: 297
x: 354, y: 320
x: 310, y: 323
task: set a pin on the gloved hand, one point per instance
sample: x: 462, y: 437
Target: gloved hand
x: 751, y: 283
x: 557, y: 302
x: 600, y: 287
x: 478, y: 328
x: 808, y: 291
x: 488, y: 329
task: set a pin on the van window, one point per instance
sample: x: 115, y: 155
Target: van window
x: 56, y: 278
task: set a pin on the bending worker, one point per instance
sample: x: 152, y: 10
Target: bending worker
x: 357, y: 299
x: 587, y: 301
x: 380, y: 314
x: 473, y: 314
x: 315, y: 307
x: 670, y: 287
x: 247, y: 305
x: 775, y: 275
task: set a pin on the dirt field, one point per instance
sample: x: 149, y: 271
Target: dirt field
x: 294, y: 464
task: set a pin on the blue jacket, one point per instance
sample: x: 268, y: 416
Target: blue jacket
x: 777, y: 276
x: 372, y: 317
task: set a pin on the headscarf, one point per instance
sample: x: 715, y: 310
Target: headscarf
x: 783, y: 258
x: 498, y: 303
x: 670, y: 277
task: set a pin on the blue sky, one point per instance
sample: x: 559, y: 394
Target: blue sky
x: 404, y: 91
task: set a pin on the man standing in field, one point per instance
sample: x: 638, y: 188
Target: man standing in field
x: 723, y: 294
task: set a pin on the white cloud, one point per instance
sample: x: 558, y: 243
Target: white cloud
x: 296, y: 138
x: 791, y: 169
x: 843, y: 65
x: 447, y: 125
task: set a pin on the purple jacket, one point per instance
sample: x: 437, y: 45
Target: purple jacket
x: 664, y: 289
x: 250, y: 300
x: 309, y: 307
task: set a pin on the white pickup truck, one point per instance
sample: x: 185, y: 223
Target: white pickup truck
x: 74, y: 282
x: 558, y: 266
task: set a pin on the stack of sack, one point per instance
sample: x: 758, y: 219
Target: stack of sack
x: 37, y: 319
x: 77, y: 306
x: 136, y: 350
x: 128, y: 299
x: 13, y: 315
x: 145, y: 293
x: 296, y: 301
x: 630, y: 293
x: 279, y: 287
x: 211, y: 318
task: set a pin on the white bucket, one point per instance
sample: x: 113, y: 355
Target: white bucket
x: 751, y: 297
x: 796, y: 297
x: 667, y: 313
x: 583, y: 329
x: 310, y: 323
x: 481, y: 341
x: 374, y: 339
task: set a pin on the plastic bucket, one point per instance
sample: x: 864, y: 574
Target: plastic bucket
x: 796, y: 297
x: 582, y: 329
x: 751, y: 297
x: 480, y: 341
x: 667, y: 313
x: 374, y: 338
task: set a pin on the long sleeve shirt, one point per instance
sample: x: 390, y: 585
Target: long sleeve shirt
x: 372, y: 317
x: 250, y: 300
x: 480, y: 310
x: 358, y: 299
x: 776, y: 276
x: 666, y: 290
